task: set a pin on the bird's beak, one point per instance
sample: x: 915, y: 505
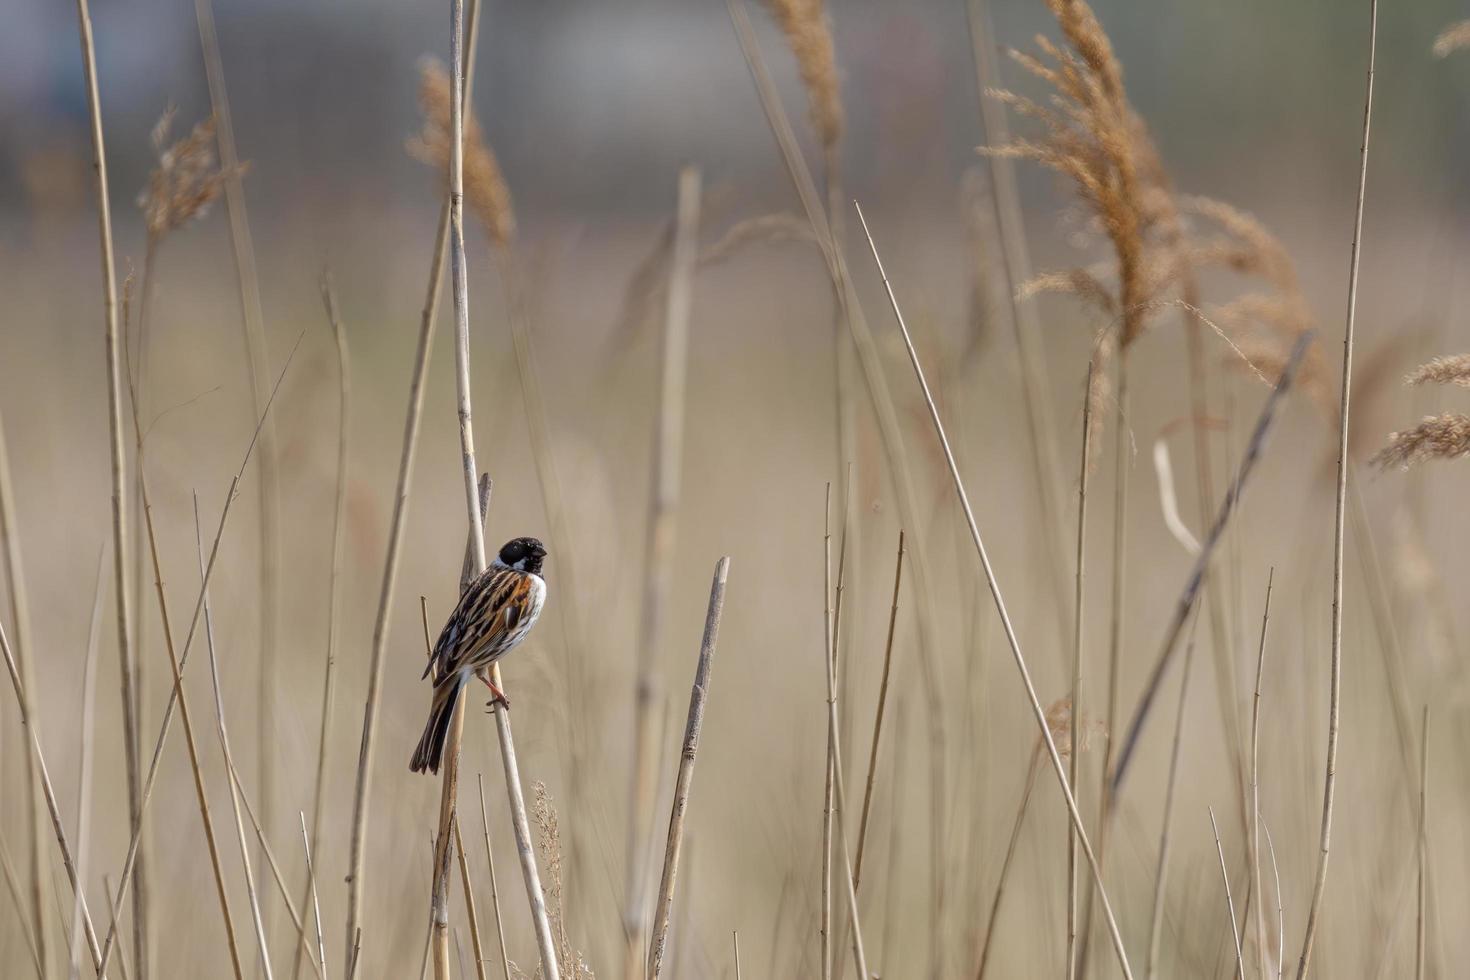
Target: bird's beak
x: 539, y: 552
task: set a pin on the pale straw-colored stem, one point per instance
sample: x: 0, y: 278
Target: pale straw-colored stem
x: 1084, y: 470
x: 469, y: 902
x: 698, y: 698
x: 1005, y: 865
x: 878, y: 715
x: 1015, y: 645
x: 1420, y: 957
x: 86, y: 717
x: 1258, y: 897
x: 1229, y: 902
x: 17, y: 898
x: 1329, y: 787
x: 316, y: 909
x: 397, y: 531
x: 663, y: 504
x: 494, y: 885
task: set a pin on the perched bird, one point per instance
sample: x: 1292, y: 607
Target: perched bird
x: 492, y: 617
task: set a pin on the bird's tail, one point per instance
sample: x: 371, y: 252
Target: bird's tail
x: 427, y: 756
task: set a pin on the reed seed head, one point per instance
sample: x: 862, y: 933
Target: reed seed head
x: 186, y: 179
x: 1436, y: 437
x: 809, y: 33
x: 1452, y: 39
x: 1454, y: 369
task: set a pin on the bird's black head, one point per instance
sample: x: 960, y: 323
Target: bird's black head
x: 523, y: 554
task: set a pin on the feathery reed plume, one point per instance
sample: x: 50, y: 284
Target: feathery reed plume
x: 1454, y: 369
x: 1435, y: 437
x: 1452, y: 39
x: 548, y: 842
x: 187, y: 178
x: 484, y: 184
x: 809, y: 33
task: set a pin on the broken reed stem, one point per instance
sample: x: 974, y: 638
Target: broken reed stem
x: 1077, y: 639
x: 698, y: 698
x: 121, y: 586
x: 1419, y: 944
x: 1258, y: 897
x: 1333, y: 713
x: 21, y: 618
x: 1229, y: 902
x: 50, y: 794
x: 397, y: 530
x: 878, y: 714
x: 129, y: 862
x: 1010, y: 631
x: 224, y: 741
x: 334, y: 600
x: 1005, y: 866
x: 469, y: 903
x: 316, y: 909
x: 494, y: 886
x: 1166, y: 834
x: 190, y: 743
x: 663, y: 505
x: 1254, y: 448
x: 890, y: 431
x: 516, y: 797
x: 252, y: 322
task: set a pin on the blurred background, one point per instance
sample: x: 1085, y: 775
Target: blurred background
x: 592, y: 109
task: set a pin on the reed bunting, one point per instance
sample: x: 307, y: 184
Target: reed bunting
x: 493, y: 615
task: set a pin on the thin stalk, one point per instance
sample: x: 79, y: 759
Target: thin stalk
x: 698, y: 697
x: 494, y: 887
x: 122, y: 588
x: 316, y: 909
x: 397, y: 530
x: 878, y: 714
x: 1280, y: 911
x: 1229, y: 902
x: 663, y: 506
x: 18, y: 901
x: 735, y: 938
x: 1166, y: 836
x: 1258, y: 896
x: 516, y: 797
x: 50, y: 794
x: 334, y: 601
x: 224, y: 741
x: 1084, y: 469
x: 1329, y: 788
x: 469, y: 902
x: 1015, y: 645
x: 85, y: 718
x: 1419, y: 944
x: 130, y: 861
x: 1005, y: 866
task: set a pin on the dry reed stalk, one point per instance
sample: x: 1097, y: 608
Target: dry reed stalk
x: 1000, y: 607
x: 121, y: 585
x: 1025, y: 325
x: 50, y: 794
x: 1229, y: 902
x: 1423, y: 846
x: 19, y: 904
x: 1334, y: 708
x: 1166, y: 834
x: 396, y: 533
x: 182, y: 699
x: 252, y: 322
x: 878, y: 715
x: 1005, y: 865
x: 21, y: 618
x: 1258, y: 895
x: 516, y: 798
x: 889, y: 430
x: 1197, y: 574
x: 735, y: 938
x: 86, y: 716
x: 130, y: 861
x: 663, y: 505
x: 698, y: 697
x: 824, y: 925
x: 1077, y: 641
x: 469, y: 903
x: 224, y: 741
x: 334, y: 601
x: 1453, y: 38
x: 1280, y: 911
x: 494, y: 886
x: 316, y: 909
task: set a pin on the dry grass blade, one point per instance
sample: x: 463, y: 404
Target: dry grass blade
x: 1329, y: 787
x: 86, y: 716
x: 1084, y: 469
x: 396, y: 533
x: 1257, y: 895
x: 878, y: 715
x: 1005, y: 618
x: 19, y: 903
x: 698, y: 698
x: 1453, y: 38
x: 1195, y: 580
x: 494, y: 886
x: 1435, y: 437
x: 224, y: 741
x: 316, y: 909
x: 1229, y: 902
x: 1423, y: 847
